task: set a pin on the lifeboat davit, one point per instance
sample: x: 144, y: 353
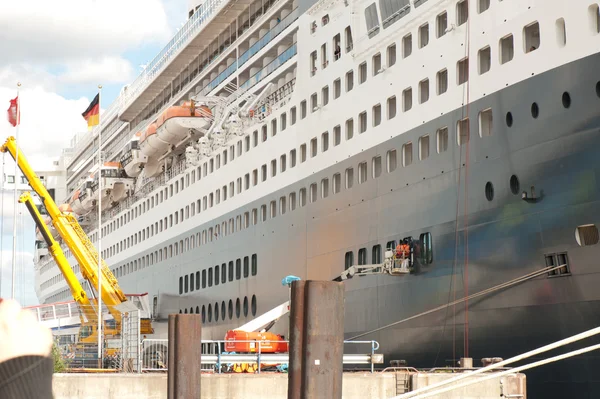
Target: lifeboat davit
x: 150, y: 144
x: 174, y: 124
x: 116, y: 186
x: 81, y: 200
x: 133, y: 159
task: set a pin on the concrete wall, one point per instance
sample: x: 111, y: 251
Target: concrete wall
x: 214, y: 386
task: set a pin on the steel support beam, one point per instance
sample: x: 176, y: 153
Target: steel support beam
x: 185, y: 348
x: 316, y: 340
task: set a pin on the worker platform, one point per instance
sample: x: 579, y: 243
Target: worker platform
x: 65, y: 318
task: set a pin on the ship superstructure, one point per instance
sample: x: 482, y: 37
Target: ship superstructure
x: 296, y: 137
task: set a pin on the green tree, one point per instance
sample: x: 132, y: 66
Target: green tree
x: 59, y: 364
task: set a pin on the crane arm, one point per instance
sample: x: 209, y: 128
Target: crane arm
x: 73, y: 235
x: 79, y: 294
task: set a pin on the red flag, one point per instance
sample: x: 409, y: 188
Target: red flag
x: 14, y: 117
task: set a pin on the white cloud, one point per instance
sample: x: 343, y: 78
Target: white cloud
x: 107, y: 70
x: 44, y: 31
x: 48, y: 121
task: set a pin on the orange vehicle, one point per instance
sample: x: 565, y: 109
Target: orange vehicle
x: 248, y: 342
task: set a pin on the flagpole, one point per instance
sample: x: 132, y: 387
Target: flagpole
x: 14, y: 257
x: 99, y: 227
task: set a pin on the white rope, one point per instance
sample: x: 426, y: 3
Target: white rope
x: 478, y: 294
x: 500, y: 374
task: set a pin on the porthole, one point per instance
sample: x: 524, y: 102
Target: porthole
x: 514, y: 185
x: 598, y: 88
x: 245, y: 306
x: 237, y: 308
x: 509, y: 119
x: 489, y: 191
x: 566, y: 99
x: 223, y: 310
x: 230, y: 309
x: 253, y: 305
x: 535, y: 110
x: 587, y: 235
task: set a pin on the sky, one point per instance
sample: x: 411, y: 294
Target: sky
x: 60, y: 51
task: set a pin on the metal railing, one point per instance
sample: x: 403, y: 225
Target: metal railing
x: 181, y: 39
x: 154, y: 354
x: 268, y: 37
x: 271, y: 67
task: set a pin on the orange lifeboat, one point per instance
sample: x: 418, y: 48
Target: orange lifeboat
x: 150, y: 144
x: 174, y: 124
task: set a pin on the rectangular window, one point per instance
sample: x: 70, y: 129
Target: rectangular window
x: 303, y: 153
x: 230, y: 271
x: 313, y: 147
x: 362, y: 122
x: 337, y: 88
x: 263, y: 173
x: 462, y: 131
x: 349, y: 129
x: 210, y: 277
x: 349, y: 178
x: 462, y: 12
x: 324, y: 141
x: 303, y: 109
x: 349, y: 80
x: 376, y: 167
x: 485, y: 123
x: 238, y: 269
x: 483, y: 5
x: 376, y: 255
x: 407, y: 154
x: 372, y: 20
x: 391, y: 161
x: 337, y: 135
x: 325, y: 95
x: 423, y: 35
x: 442, y: 140
x: 362, y: 73
x: 441, y: 24
x: 273, y: 127
x: 292, y: 158
x: 376, y: 64
x: 377, y: 115
x: 282, y: 163
x: 348, y: 260
x: 391, y: 55
x: 282, y: 205
x: 246, y: 267
x: 254, y: 270
x: 292, y: 201
x: 324, y: 188
x: 561, y: 32
x: 324, y: 60
x: 485, y: 60
x: 362, y: 256
x: 426, y: 253
x: 362, y: 172
x: 442, y: 81
x: 337, y: 183
x: 391, y: 107
x: 531, y: 37
x: 462, y: 71
x: 407, y: 99
x: 293, y: 115
x: 314, y: 103
x: 348, y: 39
x: 273, y: 168
x: 423, y: 91
x: 406, y: 45
x: 273, y: 209
x: 507, y: 49
x: 313, y: 192
x: 302, y: 197
x: 423, y: 147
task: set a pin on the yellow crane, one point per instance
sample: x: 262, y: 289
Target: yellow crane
x: 82, y: 249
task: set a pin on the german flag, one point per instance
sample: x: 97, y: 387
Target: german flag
x: 92, y: 113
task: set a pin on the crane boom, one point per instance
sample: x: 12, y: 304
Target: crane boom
x: 57, y: 253
x: 74, y: 237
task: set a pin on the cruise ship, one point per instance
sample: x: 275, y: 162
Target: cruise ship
x: 300, y: 137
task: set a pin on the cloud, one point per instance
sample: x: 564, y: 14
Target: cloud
x: 41, y: 31
x: 107, y: 70
x: 48, y: 122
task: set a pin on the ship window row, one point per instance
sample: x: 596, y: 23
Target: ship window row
x: 215, y: 312
x: 423, y: 250
x: 531, y: 31
x: 333, y: 52
x: 219, y: 274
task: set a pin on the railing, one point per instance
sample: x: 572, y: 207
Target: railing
x: 182, y: 38
x: 268, y: 37
x: 154, y: 354
x: 220, y: 78
x: 272, y: 66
